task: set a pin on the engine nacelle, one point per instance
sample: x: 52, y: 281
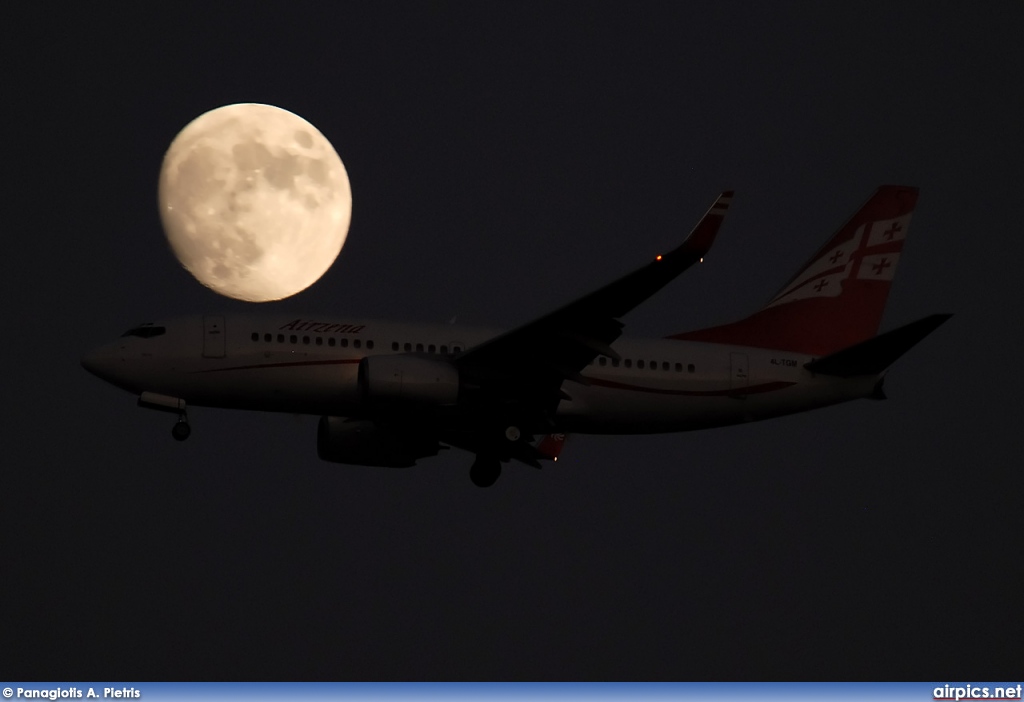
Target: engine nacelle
x: 397, y: 381
x: 362, y: 442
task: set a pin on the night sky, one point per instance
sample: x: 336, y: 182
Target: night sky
x: 505, y: 160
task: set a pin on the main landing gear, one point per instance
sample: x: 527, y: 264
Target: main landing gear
x: 486, y: 468
x: 485, y: 471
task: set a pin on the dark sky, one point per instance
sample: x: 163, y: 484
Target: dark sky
x: 505, y: 160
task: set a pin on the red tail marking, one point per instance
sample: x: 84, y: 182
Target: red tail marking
x: 837, y: 298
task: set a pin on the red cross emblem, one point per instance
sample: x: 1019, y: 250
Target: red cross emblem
x: 881, y: 266
x: 892, y: 231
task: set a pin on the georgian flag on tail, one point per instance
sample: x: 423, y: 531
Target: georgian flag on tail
x: 825, y: 275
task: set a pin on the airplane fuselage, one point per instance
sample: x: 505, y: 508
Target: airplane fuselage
x: 310, y: 365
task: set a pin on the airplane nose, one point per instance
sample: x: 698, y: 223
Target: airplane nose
x: 100, y: 363
x: 89, y: 362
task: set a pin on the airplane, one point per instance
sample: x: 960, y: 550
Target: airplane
x: 389, y: 394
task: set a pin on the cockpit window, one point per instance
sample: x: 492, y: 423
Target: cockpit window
x: 146, y: 331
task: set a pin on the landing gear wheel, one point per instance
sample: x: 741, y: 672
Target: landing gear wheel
x: 181, y: 430
x: 485, y: 471
x: 513, y: 434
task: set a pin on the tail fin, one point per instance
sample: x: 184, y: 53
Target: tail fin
x: 837, y: 298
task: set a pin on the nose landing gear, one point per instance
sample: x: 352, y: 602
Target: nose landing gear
x: 181, y: 429
x: 166, y: 403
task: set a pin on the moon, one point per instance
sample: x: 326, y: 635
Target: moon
x: 255, y: 202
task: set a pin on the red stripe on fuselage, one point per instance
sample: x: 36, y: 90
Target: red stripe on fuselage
x: 750, y: 390
x: 289, y: 364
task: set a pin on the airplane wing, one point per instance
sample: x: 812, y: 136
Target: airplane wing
x: 532, y: 361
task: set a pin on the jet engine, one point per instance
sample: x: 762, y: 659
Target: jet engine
x: 362, y: 442
x: 398, y: 381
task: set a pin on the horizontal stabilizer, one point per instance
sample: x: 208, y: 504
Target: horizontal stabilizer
x: 875, y: 355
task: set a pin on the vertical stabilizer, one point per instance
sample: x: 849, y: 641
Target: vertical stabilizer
x: 837, y: 298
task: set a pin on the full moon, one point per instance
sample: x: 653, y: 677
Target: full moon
x: 255, y: 201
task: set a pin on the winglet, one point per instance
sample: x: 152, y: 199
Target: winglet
x: 703, y: 235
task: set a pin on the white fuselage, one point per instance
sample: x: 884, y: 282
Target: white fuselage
x: 309, y: 365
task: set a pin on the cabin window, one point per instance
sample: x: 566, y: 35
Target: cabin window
x: 394, y: 345
x: 268, y: 337
x: 407, y: 347
x: 330, y: 341
x: 629, y: 363
x: 431, y: 349
x: 280, y: 338
x: 456, y: 349
x: 294, y: 339
x: 255, y: 336
x: 344, y: 343
x: 369, y: 344
x: 615, y: 363
x: 444, y: 349
x: 691, y: 368
x: 664, y: 365
x: 640, y: 363
x: 305, y: 340
x: 319, y: 341
x: 679, y: 368
x: 419, y: 348
x: 357, y: 343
